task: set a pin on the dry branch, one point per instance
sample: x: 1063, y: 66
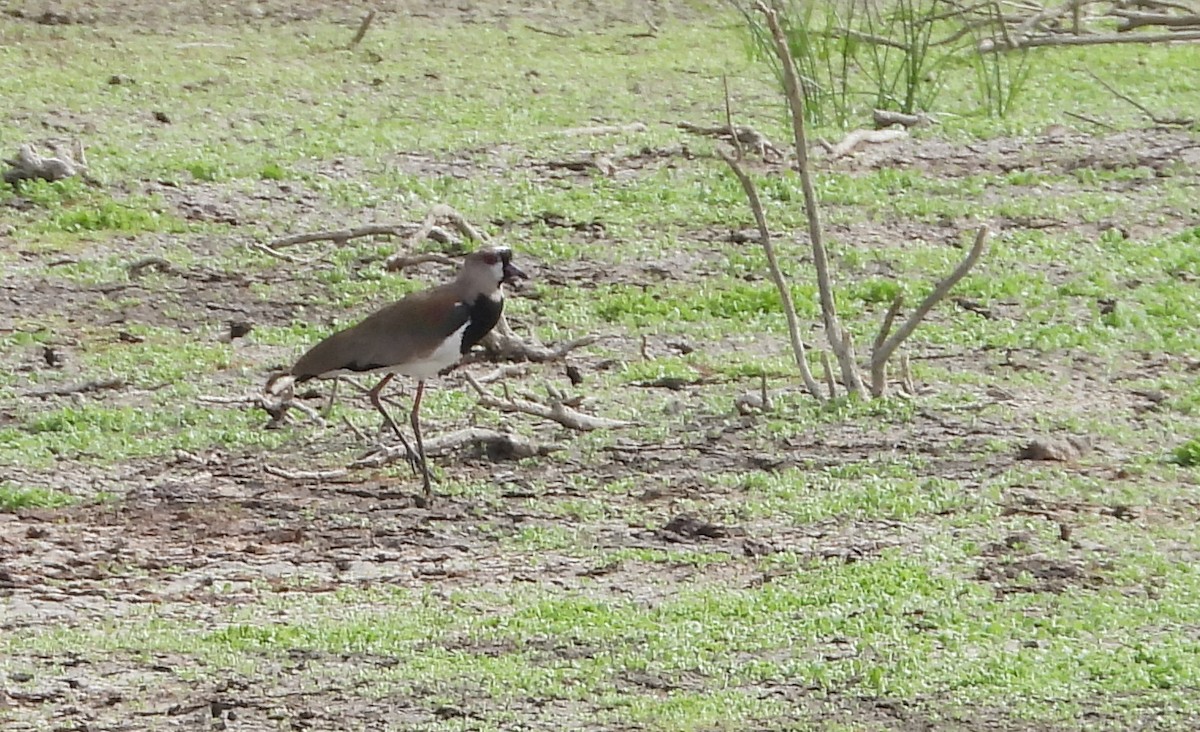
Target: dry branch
x: 139, y: 266
x: 781, y: 284
x: 276, y: 408
x: 362, y: 29
x: 81, y: 388
x: 858, y: 137
x: 884, y: 348
x: 404, y: 261
x: 989, y: 45
x: 737, y: 135
x: 885, y: 118
x: 502, y: 344
x: 1132, y: 19
x: 305, y: 475
x: 29, y: 165
x: 438, y: 213
x: 1156, y: 119
x: 341, y: 236
x: 833, y: 327
x: 602, y: 129
x: 556, y: 411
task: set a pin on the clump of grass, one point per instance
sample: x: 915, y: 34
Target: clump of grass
x: 113, y: 216
x: 14, y: 498
x: 272, y: 171
x: 1187, y: 454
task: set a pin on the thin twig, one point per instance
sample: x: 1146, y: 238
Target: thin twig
x: 305, y: 475
x: 362, y: 29
x: 1165, y: 121
x: 833, y: 327
x: 830, y: 381
x: 556, y: 411
x: 81, y: 388
x: 989, y: 45
x: 881, y: 354
x: 138, y: 266
x: 341, y: 236
x: 398, y: 261
x: 1091, y: 120
x: 781, y: 284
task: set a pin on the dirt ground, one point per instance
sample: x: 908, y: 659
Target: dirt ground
x: 192, y: 534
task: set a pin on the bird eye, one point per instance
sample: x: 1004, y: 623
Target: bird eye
x: 490, y: 259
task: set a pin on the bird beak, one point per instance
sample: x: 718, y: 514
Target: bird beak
x: 511, y: 272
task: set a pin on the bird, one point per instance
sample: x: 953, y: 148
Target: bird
x: 419, y: 336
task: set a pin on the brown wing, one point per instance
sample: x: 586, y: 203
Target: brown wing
x: 399, y: 333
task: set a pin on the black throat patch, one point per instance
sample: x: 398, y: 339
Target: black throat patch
x: 484, y: 314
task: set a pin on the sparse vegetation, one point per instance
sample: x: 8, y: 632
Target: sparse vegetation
x: 723, y: 561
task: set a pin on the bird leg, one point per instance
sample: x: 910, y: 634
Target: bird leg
x: 415, y: 418
x: 411, y: 456
x: 332, y: 397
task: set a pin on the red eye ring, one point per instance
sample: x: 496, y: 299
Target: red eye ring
x: 490, y: 259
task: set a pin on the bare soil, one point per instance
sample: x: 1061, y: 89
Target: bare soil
x: 191, y: 535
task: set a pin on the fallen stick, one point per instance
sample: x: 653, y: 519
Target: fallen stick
x: 555, y: 412
x: 341, y: 236
x: 398, y: 261
x: 81, y: 388
x: 29, y: 165
x: 738, y: 135
x: 989, y: 45
x: 502, y: 344
x: 602, y: 129
x: 137, y: 267
x: 303, y: 475
x: 885, y: 118
x: 858, y: 137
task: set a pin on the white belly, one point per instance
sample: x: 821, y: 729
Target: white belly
x: 443, y: 357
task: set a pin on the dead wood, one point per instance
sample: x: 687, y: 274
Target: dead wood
x: 275, y: 401
x: 781, y: 283
x: 398, y: 261
x: 738, y: 136
x: 885, y: 345
x: 504, y: 371
x: 305, y: 475
x: 502, y: 344
x: 556, y: 411
x: 158, y: 264
x: 341, y: 236
x: 1156, y: 119
x: 838, y: 339
x: 80, y: 388
x: 548, y: 31
x: 30, y: 165
x: 362, y: 29
x: 1132, y: 19
x: 859, y: 137
x: 602, y: 129
x: 989, y: 45
x: 438, y: 213
x: 884, y: 118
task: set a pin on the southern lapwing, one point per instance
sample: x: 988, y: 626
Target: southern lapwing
x: 420, y: 336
